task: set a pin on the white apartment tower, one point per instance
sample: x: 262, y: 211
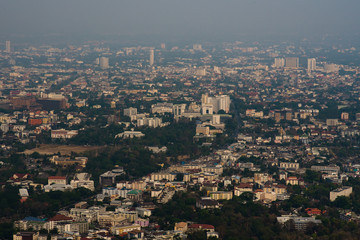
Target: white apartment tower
x: 7, y: 46
x: 215, y: 104
x: 224, y: 103
x: 151, y: 60
x: 311, y: 66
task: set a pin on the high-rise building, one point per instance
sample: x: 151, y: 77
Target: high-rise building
x: 163, y: 46
x: 197, y: 47
x: 200, y: 72
x: 224, y: 103
x: 279, y: 62
x: 331, y: 68
x: 7, y: 46
x: 292, y: 62
x: 104, y: 63
x: 151, y: 60
x: 311, y: 64
x: 216, y: 103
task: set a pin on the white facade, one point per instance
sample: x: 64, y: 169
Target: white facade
x: 62, y: 133
x: 82, y: 180
x: 344, y: 191
x: 151, y: 60
x: 217, y: 103
x: 311, y: 65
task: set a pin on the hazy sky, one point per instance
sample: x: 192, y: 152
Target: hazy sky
x: 179, y: 17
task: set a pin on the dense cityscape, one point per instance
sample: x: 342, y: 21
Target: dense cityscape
x: 230, y: 140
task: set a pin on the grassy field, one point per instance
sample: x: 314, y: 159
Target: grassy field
x: 49, y: 149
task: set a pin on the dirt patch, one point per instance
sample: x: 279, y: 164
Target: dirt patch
x: 49, y: 149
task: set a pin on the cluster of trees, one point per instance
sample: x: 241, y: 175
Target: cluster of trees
x: 136, y: 161
x: 241, y: 218
x: 39, y: 203
x: 177, y: 137
x: 97, y: 135
x: 132, y: 154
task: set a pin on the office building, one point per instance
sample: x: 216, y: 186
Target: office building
x: 151, y: 60
x: 331, y: 68
x: 163, y: 46
x: 7, y: 46
x: 130, y: 111
x: 197, y: 47
x: 214, y: 104
x: 311, y: 66
x: 279, y: 62
x: 292, y: 62
x: 104, y: 63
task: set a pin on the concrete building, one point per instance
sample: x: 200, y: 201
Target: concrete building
x: 344, y: 191
x: 8, y: 46
x: 326, y: 169
x: 300, y: 223
x: 292, y: 62
x: 197, y: 47
x: 311, y: 64
x: 130, y: 111
x: 82, y: 180
x: 178, y: 109
x: 109, y: 177
x: 162, y: 108
x: 279, y: 62
x: 289, y: 165
x: 64, y: 134
x: 332, y: 122
x: 345, y: 116
x: 130, y: 134
x: 215, y: 104
x: 151, y: 60
x: 104, y: 63
x: 331, y: 68
x: 221, y: 195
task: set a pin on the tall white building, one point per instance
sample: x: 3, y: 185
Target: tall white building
x: 151, y: 60
x: 279, y: 62
x: 311, y: 66
x: 224, y: 103
x: 215, y: 104
x: 7, y: 46
x: 104, y: 62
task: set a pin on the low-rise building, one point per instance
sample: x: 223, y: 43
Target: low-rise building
x: 221, y: 195
x: 344, y: 191
x: 289, y: 165
x: 300, y: 223
x: 82, y: 180
x: 63, y: 134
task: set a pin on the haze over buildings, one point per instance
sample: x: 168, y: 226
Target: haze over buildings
x: 185, y: 18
